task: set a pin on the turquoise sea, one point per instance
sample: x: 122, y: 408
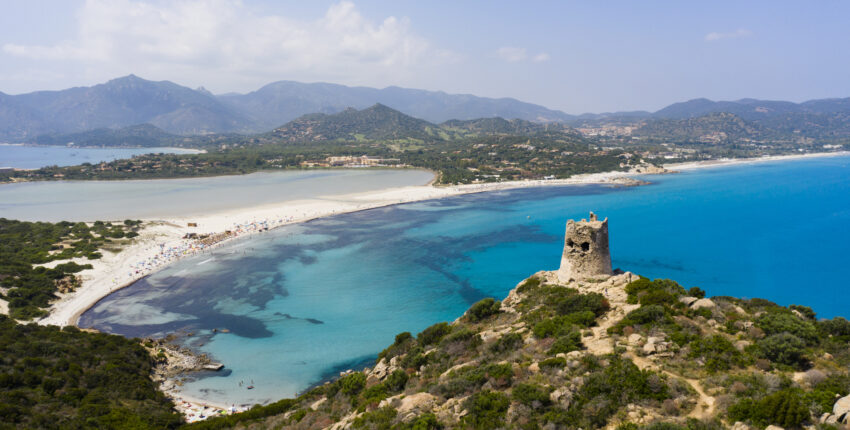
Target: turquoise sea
x: 33, y: 157
x: 304, y: 302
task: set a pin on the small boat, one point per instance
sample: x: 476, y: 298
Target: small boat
x: 250, y: 387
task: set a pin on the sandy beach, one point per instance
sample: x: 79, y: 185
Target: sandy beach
x: 730, y: 161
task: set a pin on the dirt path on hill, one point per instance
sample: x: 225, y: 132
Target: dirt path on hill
x: 705, y: 406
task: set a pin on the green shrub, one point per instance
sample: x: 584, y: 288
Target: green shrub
x: 717, y: 353
x: 658, y: 297
x: 403, y: 343
x: 528, y: 285
x: 423, y: 422
x: 784, y: 348
x: 462, y: 334
x: 659, y: 291
x: 806, y: 311
x: 696, y: 292
x: 646, y: 314
x: 547, y: 328
x: 823, y: 394
x: 352, y: 383
x: 486, y: 410
x: 553, y: 363
x: 783, y: 408
x: 414, y: 359
x: 379, y: 419
x: 508, y: 342
x: 374, y: 394
x: 566, y: 343
x: 433, y: 334
x: 783, y: 321
x: 396, y: 380
x: 838, y: 327
x: 593, y: 302
x: 483, y: 309
x: 533, y: 396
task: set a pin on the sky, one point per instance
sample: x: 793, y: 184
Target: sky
x: 573, y: 56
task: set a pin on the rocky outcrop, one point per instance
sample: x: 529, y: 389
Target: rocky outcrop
x: 703, y: 304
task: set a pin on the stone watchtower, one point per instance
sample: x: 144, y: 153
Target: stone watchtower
x: 586, y: 252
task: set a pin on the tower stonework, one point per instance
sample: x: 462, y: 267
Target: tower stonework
x: 586, y: 253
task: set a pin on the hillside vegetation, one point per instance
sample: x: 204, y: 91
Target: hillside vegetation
x: 25, y: 247
x: 624, y: 352
x: 52, y: 378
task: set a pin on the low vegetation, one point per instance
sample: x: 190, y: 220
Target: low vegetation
x: 527, y: 363
x: 25, y: 247
x: 54, y: 378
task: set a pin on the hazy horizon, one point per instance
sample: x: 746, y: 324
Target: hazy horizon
x: 577, y: 58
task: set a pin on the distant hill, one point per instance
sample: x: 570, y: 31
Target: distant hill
x: 127, y: 101
x: 499, y: 125
x: 278, y: 102
x: 380, y: 122
x: 714, y: 127
x: 179, y: 110
x: 176, y: 109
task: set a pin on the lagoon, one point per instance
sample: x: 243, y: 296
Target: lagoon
x: 33, y: 157
x: 305, y: 301
x: 166, y: 198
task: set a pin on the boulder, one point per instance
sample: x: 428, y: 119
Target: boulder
x: 561, y: 396
x: 773, y: 427
x: 740, y: 426
x: 841, y: 409
x: 703, y: 303
x: 742, y: 344
x: 688, y: 300
x: 827, y: 417
x: 416, y: 404
x: 635, y: 339
x: 655, y: 344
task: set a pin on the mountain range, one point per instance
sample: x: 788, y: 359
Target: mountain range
x: 179, y: 110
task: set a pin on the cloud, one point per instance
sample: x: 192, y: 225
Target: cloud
x: 224, y: 41
x: 516, y: 55
x: 711, y: 37
x: 541, y: 57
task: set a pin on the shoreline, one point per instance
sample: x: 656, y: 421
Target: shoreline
x: 162, y: 241
x: 724, y: 162
x: 167, y: 234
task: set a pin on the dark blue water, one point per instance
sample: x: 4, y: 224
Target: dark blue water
x: 303, y: 302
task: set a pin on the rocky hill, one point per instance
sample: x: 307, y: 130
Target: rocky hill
x: 382, y: 123
x: 122, y: 102
x: 619, y: 351
x: 711, y: 128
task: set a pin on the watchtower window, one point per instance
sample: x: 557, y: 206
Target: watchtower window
x: 585, y: 246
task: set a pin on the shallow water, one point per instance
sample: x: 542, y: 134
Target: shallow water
x: 33, y: 157
x: 159, y: 198
x: 303, y: 302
